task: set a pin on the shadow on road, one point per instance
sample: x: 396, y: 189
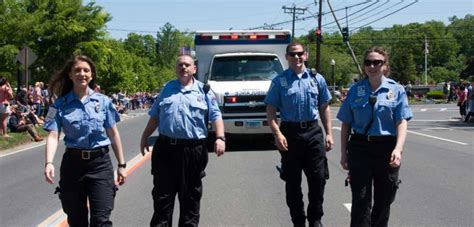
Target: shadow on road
x: 250, y: 143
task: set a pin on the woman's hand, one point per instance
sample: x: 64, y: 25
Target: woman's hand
x: 49, y: 173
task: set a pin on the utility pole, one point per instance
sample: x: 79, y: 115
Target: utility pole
x: 426, y: 60
x: 318, y: 41
x: 293, y: 10
x: 346, y: 40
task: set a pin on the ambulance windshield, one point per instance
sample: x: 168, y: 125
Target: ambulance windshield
x: 245, y: 68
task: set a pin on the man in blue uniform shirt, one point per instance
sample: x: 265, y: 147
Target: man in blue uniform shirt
x: 180, y: 154
x: 301, y: 97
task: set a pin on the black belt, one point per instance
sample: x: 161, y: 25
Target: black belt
x: 88, y: 154
x: 303, y: 124
x: 173, y: 141
x: 369, y: 138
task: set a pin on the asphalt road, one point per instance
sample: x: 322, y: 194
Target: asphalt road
x: 242, y: 188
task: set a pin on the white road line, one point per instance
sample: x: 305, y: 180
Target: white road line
x: 438, y: 138
x: 423, y: 110
x: 443, y: 109
x: 348, y: 206
x: 24, y: 149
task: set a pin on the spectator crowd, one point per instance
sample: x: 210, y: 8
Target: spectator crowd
x: 25, y: 110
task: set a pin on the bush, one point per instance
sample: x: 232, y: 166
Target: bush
x: 435, y: 94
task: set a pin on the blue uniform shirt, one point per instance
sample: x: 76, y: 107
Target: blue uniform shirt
x: 390, y: 108
x: 181, y: 112
x: 83, y: 123
x: 298, y: 99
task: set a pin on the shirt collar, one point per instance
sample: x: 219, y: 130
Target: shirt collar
x: 290, y: 73
x: 175, y: 84
x: 71, y: 96
x: 383, y: 85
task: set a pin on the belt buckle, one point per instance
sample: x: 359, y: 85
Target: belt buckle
x: 303, y: 124
x: 369, y: 138
x: 85, y: 154
x: 173, y: 141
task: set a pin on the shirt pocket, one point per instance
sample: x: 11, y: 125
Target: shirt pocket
x: 166, y: 106
x: 97, y: 122
x: 361, y: 112
x: 289, y: 98
x: 313, y: 98
x: 72, y: 124
x: 197, y: 109
x: 386, y: 109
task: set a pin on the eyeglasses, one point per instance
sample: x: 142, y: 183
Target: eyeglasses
x: 293, y: 54
x: 374, y: 62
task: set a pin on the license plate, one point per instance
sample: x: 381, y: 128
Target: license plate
x: 253, y: 124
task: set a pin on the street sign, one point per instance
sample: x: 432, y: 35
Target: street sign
x: 26, y: 56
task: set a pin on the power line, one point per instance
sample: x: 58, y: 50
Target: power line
x: 415, y: 1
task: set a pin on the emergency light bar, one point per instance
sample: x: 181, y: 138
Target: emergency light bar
x: 243, y: 37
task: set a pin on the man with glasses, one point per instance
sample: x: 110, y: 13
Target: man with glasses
x: 301, y: 98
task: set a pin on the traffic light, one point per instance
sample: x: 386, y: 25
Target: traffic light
x: 345, y: 34
x: 319, y: 36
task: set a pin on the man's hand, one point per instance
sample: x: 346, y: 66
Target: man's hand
x: 344, y: 160
x: 329, y: 142
x: 395, y: 158
x: 281, y: 143
x: 144, y: 146
x: 219, y: 147
x: 121, y: 175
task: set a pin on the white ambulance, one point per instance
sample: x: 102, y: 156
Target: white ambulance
x: 239, y: 67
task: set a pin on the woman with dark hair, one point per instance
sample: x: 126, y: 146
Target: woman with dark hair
x: 374, y: 125
x: 88, y: 120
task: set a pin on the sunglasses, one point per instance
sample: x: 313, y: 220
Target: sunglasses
x: 293, y: 54
x: 374, y: 62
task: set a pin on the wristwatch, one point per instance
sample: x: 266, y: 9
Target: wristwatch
x: 220, y: 138
x: 124, y: 165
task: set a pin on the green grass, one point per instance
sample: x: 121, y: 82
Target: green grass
x: 17, y: 139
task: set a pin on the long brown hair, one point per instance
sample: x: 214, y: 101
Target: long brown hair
x: 384, y: 53
x: 61, y: 84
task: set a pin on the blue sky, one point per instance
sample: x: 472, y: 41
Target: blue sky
x: 147, y: 16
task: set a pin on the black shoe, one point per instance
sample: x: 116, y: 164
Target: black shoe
x: 316, y: 223
x: 299, y: 225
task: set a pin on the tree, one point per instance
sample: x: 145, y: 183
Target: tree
x: 53, y: 29
x: 169, y: 40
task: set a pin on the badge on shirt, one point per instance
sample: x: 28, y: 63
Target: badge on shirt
x: 390, y: 95
x: 97, y: 107
x: 361, y: 91
x: 283, y: 82
x: 51, y: 113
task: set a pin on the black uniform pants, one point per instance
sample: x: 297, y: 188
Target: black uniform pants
x: 369, y: 165
x: 177, y: 169
x: 306, y: 152
x: 83, y: 180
